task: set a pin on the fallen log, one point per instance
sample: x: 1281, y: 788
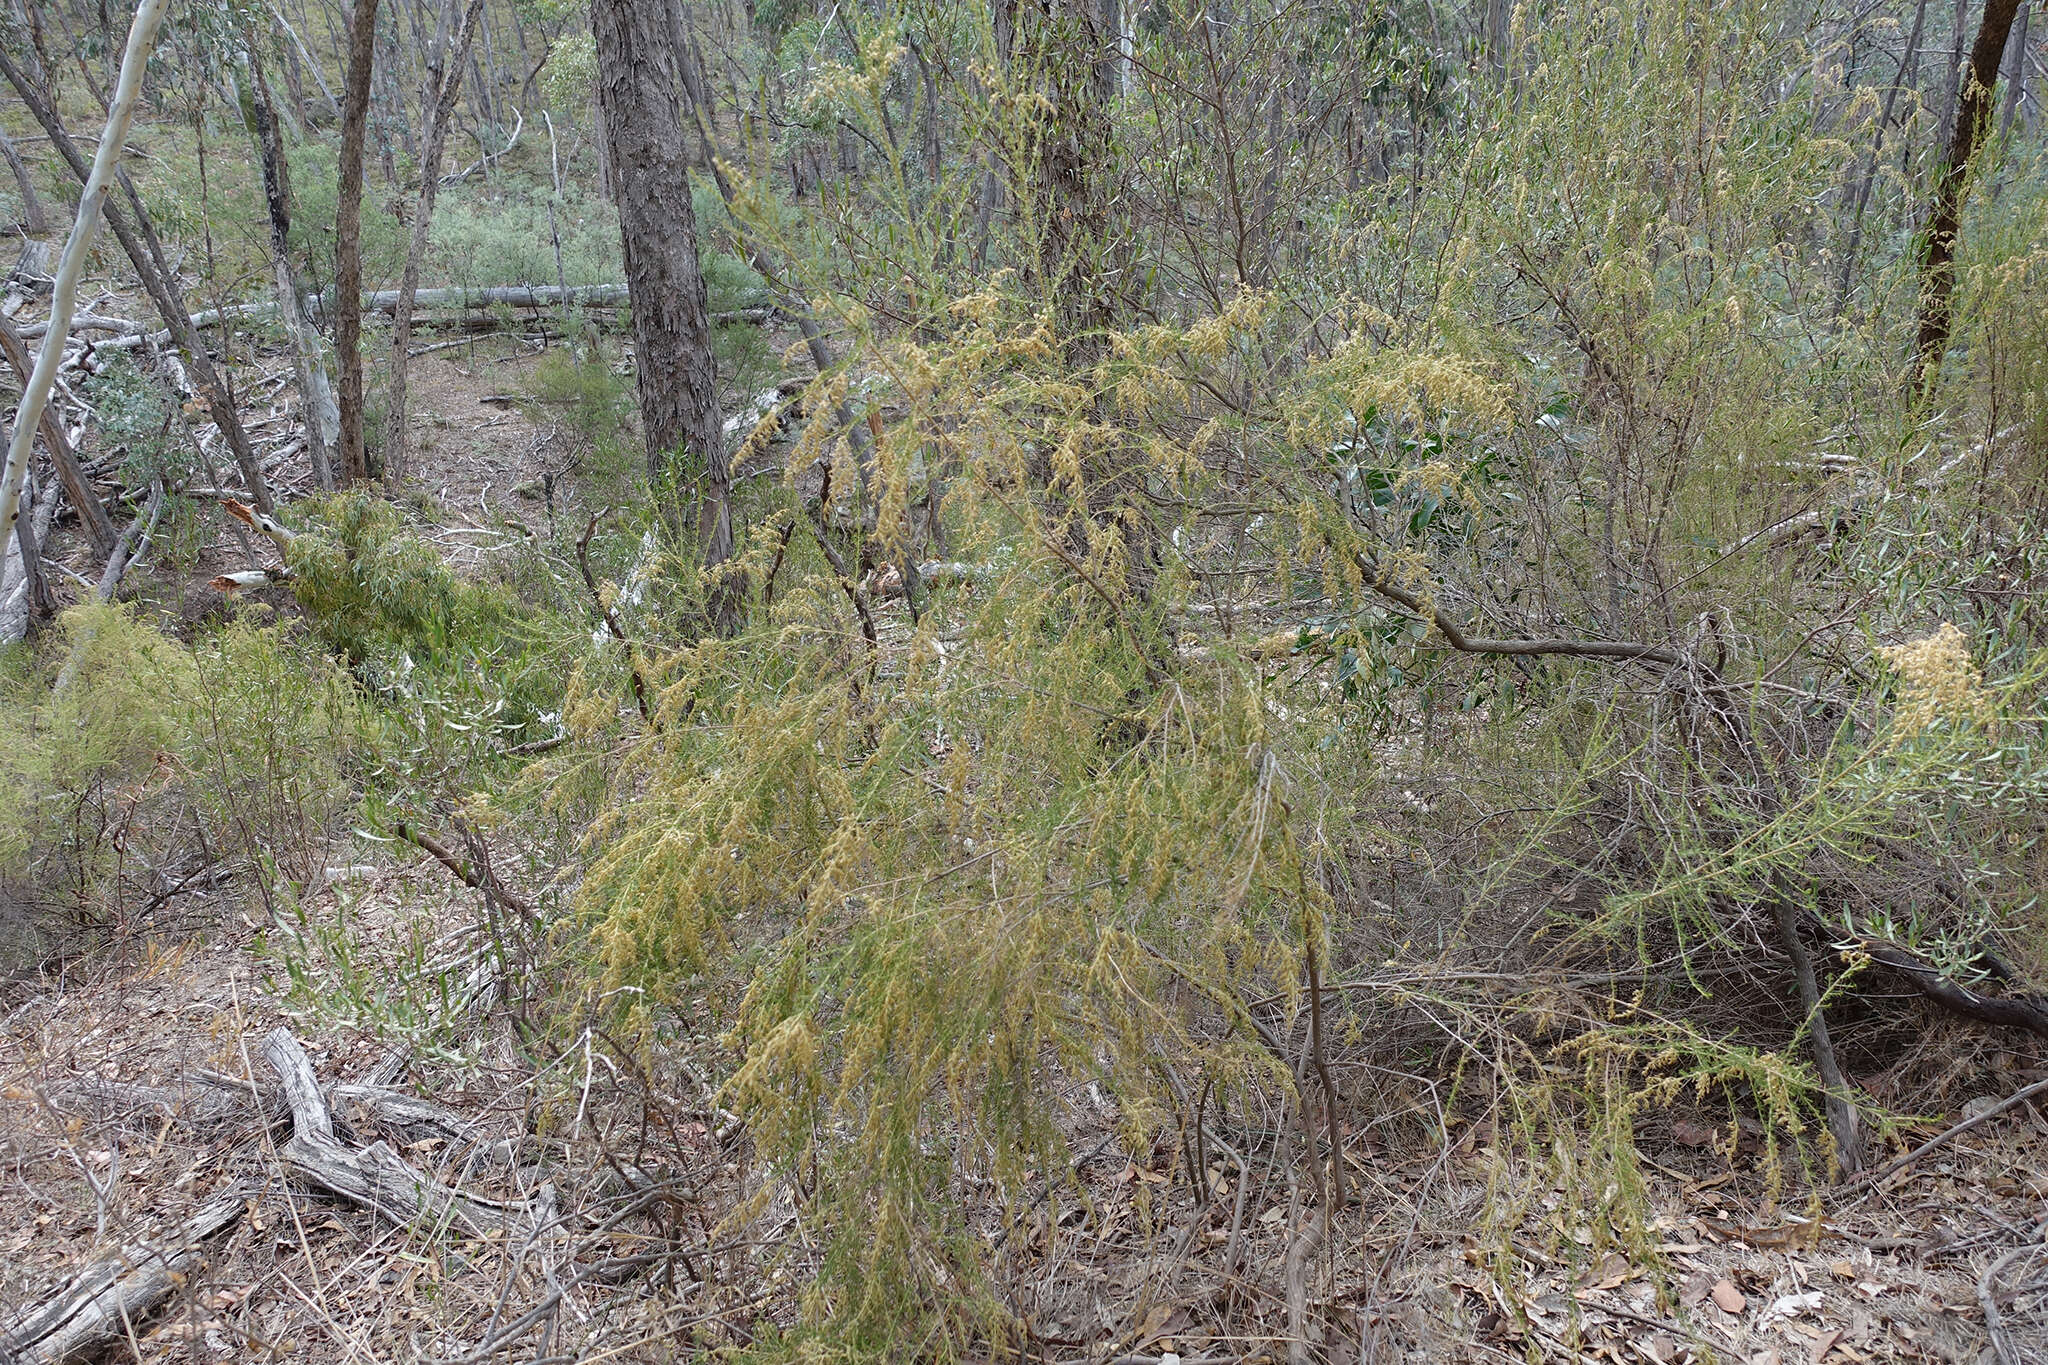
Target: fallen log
x: 385, y: 301
x: 208, y: 1104
x: 407, y: 1115
x: 101, y: 1302
x: 204, y: 1109
x: 84, y: 322
x: 375, y: 1177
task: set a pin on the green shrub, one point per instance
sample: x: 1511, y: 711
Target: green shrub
x: 461, y: 665
x: 136, y: 416
x: 128, y: 745
x: 498, y: 233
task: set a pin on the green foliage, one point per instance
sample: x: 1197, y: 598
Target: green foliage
x: 126, y: 739
x: 108, y: 724
x: 586, y: 408
x: 2003, y: 280
x: 499, y: 233
x: 136, y: 416
x: 369, y: 588
x: 578, y: 388
x: 1329, y: 342
x: 948, y: 885
x: 315, y: 175
x: 571, y: 78
x: 1560, y: 384
x: 462, y: 665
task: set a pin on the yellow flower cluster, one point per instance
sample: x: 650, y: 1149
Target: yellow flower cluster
x: 837, y: 83
x: 1361, y: 375
x: 1437, y: 479
x: 1938, y: 681
x: 1209, y: 338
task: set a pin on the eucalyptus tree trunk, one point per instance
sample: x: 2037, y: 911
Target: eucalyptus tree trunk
x: 1077, y: 41
x: 348, y: 239
x: 1955, y: 66
x: 1083, y: 245
x: 24, y: 591
x: 316, y: 390
x: 305, y: 59
x: 2016, y: 73
x: 1944, y: 225
x: 676, y: 373
x: 33, y: 219
x: 443, y: 83
x: 64, y: 293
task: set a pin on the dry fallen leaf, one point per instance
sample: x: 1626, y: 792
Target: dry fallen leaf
x: 1155, y: 1322
x: 1728, y: 1298
x: 1612, y: 1272
x: 1792, y: 1305
x: 1824, y: 1343
x: 1693, y: 1133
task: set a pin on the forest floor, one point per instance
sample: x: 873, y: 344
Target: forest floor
x: 119, y: 1080
x: 136, y: 1091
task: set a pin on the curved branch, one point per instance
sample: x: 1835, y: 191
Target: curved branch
x: 2013, y: 1011
x: 1379, y: 582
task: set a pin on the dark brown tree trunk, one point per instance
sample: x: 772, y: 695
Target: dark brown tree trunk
x: 677, y: 375
x: 1944, y: 225
x: 348, y: 238
x: 92, y: 515
x: 443, y: 82
x: 38, y: 605
x: 33, y: 219
x: 138, y: 239
x: 316, y: 392
x: 1077, y: 40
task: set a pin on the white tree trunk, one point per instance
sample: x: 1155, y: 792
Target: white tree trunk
x: 64, y: 296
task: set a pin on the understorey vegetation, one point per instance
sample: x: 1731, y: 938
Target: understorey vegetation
x: 1371, y: 609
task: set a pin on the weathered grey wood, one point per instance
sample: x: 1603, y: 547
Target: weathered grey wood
x: 386, y: 301
x: 100, y: 1302
x: 92, y: 514
x: 504, y: 296
x: 413, y: 1117
x: 199, y: 1107
x: 36, y: 384
x: 375, y: 1177
x: 33, y: 219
